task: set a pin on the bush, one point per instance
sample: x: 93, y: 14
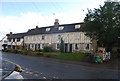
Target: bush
x: 27, y: 52
x: 39, y: 50
x: 8, y: 50
x: 47, y: 49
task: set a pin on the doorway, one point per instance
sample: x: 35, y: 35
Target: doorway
x: 70, y: 48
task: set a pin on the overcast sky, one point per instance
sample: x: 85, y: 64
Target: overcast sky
x: 18, y: 16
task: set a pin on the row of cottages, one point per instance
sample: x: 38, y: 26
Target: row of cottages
x: 73, y: 36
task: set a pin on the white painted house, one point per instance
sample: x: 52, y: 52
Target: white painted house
x: 15, y: 41
x: 73, y: 36
x: 3, y: 43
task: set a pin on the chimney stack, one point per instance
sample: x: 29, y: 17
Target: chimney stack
x: 10, y: 33
x: 36, y: 27
x: 56, y: 23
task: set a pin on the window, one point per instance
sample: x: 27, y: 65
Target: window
x: 14, y: 40
x: 77, y: 35
x: 18, y: 39
x: 47, y: 29
x: 87, y: 47
x: 42, y: 45
x: 59, y: 36
x: 76, y: 46
x: 61, y: 27
x: 5, y: 41
x: 32, y: 45
x: 9, y: 40
x: 77, y: 26
x: 28, y: 46
x: 38, y: 46
x: 43, y: 37
x: 58, y: 46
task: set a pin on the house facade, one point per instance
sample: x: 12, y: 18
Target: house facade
x: 73, y: 36
x: 15, y: 41
x: 3, y: 43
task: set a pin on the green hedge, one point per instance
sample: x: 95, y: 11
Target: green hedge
x: 48, y: 49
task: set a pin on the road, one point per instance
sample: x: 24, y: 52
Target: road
x: 43, y: 68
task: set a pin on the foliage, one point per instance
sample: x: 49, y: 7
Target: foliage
x: 13, y: 51
x: 39, y: 50
x: 62, y: 46
x: 47, y: 49
x: 59, y: 55
x: 103, y: 23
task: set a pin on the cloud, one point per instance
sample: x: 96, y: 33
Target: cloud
x: 29, y: 20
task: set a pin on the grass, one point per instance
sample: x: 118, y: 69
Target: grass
x: 66, y: 56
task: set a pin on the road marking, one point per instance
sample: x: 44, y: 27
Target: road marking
x: 19, y: 67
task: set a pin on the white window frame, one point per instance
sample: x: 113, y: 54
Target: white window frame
x: 77, y: 26
x: 47, y: 29
x: 61, y: 28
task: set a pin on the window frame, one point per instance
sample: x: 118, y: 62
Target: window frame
x: 77, y: 26
x: 43, y: 37
x: 48, y: 29
x: 18, y: 39
x: 61, y: 28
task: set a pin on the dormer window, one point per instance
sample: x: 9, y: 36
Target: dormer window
x: 47, y: 29
x: 77, y: 26
x: 61, y: 27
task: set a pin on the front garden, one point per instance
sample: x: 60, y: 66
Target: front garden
x: 49, y: 53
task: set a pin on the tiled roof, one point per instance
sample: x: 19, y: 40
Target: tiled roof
x: 67, y: 28
x: 42, y: 30
x: 17, y: 35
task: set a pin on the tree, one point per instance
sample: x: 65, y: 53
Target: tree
x: 103, y: 24
x: 62, y: 46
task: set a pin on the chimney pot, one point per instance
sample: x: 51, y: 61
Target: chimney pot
x: 36, y: 27
x: 10, y: 33
x: 56, y: 23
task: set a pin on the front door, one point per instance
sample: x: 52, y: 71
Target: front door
x: 35, y: 46
x: 66, y: 48
x: 70, y: 48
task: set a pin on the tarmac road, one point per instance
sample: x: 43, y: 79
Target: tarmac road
x: 44, y: 68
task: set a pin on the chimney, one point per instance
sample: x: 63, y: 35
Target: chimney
x: 10, y: 33
x: 36, y: 27
x: 56, y: 23
x: 7, y: 34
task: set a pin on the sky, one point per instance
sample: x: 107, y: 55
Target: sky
x: 18, y: 16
